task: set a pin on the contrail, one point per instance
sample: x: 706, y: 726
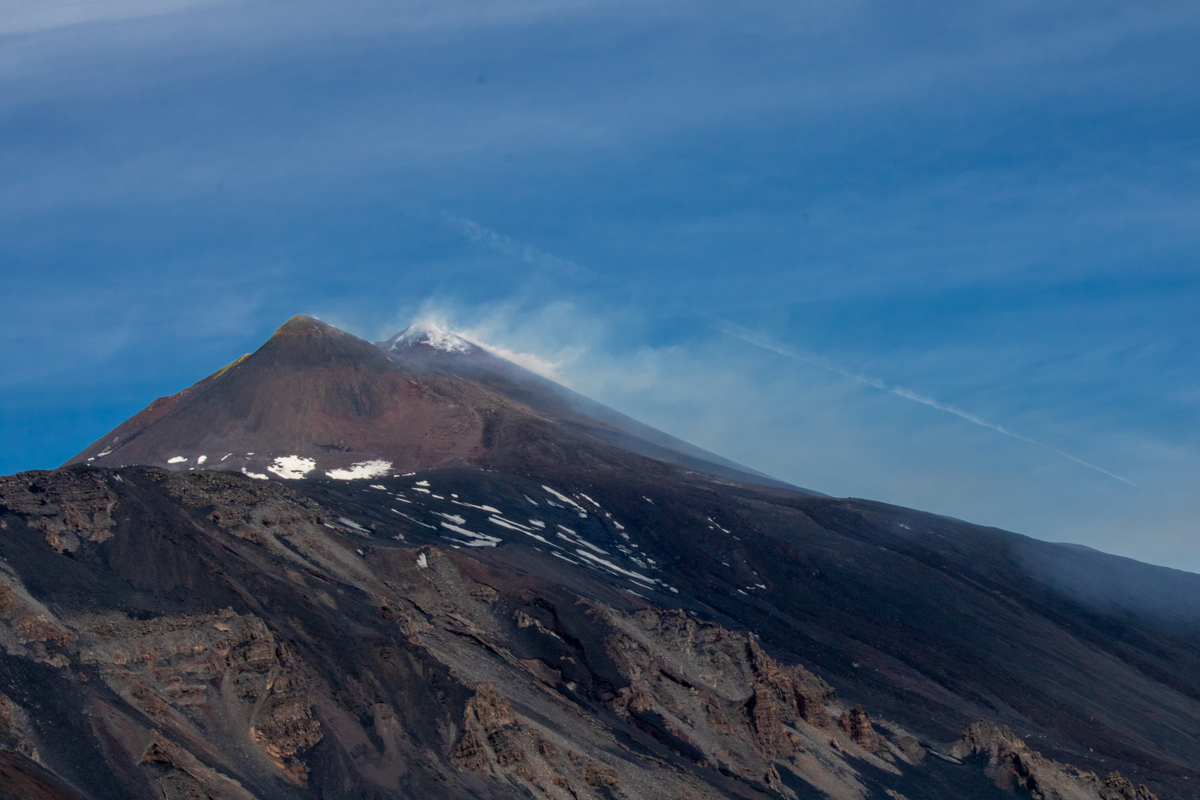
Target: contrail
x: 763, y: 342
x: 515, y: 247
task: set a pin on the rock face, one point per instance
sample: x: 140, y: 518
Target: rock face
x: 1012, y: 764
x: 65, y: 511
x: 717, y: 697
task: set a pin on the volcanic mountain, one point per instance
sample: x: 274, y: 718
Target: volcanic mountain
x: 314, y: 398
x: 338, y: 569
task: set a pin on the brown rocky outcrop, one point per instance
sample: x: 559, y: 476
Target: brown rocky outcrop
x: 64, y: 506
x: 717, y: 697
x: 497, y: 742
x: 1011, y: 763
x: 187, y: 672
x: 490, y: 734
x: 857, y: 725
x: 15, y: 731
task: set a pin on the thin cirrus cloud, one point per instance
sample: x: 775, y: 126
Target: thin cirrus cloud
x: 509, y: 246
x: 765, y: 343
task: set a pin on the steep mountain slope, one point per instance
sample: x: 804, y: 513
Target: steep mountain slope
x: 535, y: 611
x: 205, y: 634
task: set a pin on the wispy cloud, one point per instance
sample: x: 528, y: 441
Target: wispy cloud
x: 765, y: 343
x: 515, y: 247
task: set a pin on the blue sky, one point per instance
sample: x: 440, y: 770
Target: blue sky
x: 942, y: 255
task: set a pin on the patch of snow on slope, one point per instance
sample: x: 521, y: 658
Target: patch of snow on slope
x: 257, y: 475
x: 201, y: 459
x: 477, y: 539
x: 363, y: 469
x: 615, y: 568
x: 349, y: 523
x: 514, y: 526
x: 414, y: 519
x: 292, y: 468
x: 488, y: 509
x: 563, y: 498
x: 176, y: 460
x: 577, y: 539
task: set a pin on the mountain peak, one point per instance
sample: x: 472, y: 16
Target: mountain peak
x: 430, y: 334
x: 303, y: 325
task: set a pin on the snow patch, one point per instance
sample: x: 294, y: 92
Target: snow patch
x: 613, y: 567
x: 434, y: 335
x: 292, y: 468
x: 488, y: 509
x: 477, y: 539
x: 349, y: 523
x: 563, y: 498
x: 414, y: 519
x: 422, y: 563
x: 257, y: 475
x: 176, y: 459
x: 514, y: 526
x: 201, y: 459
x: 363, y: 469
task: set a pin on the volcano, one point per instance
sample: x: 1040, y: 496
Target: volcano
x: 344, y: 569
x: 317, y: 399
